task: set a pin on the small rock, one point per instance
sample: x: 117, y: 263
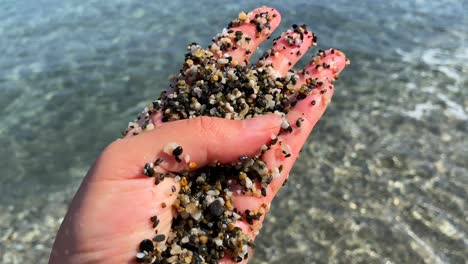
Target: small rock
x: 216, y: 208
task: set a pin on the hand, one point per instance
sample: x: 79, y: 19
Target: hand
x: 111, y: 211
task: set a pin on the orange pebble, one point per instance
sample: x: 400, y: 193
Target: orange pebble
x: 192, y: 165
x: 183, y: 182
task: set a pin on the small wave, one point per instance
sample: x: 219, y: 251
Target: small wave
x: 453, y: 109
x: 420, y: 110
x: 450, y: 63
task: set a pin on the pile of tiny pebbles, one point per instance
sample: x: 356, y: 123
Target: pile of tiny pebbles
x: 213, y: 84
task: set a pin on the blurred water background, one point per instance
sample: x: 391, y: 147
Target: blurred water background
x: 383, y: 179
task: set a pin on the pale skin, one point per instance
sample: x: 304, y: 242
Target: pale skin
x: 110, y: 214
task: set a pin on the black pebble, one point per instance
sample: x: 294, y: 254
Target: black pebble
x: 159, y: 238
x: 177, y: 151
x: 146, y: 245
x: 216, y: 208
x: 261, y: 102
x: 148, y: 170
x: 155, y: 221
x: 298, y: 122
x: 301, y: 96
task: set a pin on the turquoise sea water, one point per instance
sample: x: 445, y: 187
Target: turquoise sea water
x: 384, y: 177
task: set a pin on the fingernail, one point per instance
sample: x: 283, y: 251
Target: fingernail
x: 264, y: 122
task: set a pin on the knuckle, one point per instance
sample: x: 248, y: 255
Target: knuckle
x: 114, y: 149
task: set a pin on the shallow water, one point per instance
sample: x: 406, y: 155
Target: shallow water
x: 383, y: 179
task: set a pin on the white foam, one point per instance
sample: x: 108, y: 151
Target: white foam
x: 420, y: 110
x: 451, y: 63
x: 450, y: 73
x: 453, y: 109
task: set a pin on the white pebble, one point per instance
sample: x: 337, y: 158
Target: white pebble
x: 169, y: 147
x: 197, y: 215
x: 284, y: 123
x: 275, y: 173
x: 184, y: 240
x: 218, y: 241
x: 236, y: 216
x: 149, y: 127
x: 248, y: 183
x: 223, y: 61
x: 172, y: 259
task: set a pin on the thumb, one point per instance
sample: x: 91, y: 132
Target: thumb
x: 202, y: 140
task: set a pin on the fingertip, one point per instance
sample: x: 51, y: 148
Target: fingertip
x: 247, y: 32
x: 327, y: 65
x: 275, y: 14
x: 337, y: 59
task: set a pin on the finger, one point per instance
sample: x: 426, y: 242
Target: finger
x: 320, y: 74
x: 288, y: 49
x: 307, y: 111
x: 245, y: 33
x: 202, y: 140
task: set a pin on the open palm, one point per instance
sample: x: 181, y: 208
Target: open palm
x: 111, y: 212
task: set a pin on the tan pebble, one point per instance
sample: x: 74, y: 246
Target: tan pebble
x: 439, y: 165
x: 416, y: 215
x: 228, y: 205
x: 203, y: 239
x: 242, y: 176
x: 231, y: 227
x: 198, y: 53
x: 172, y: 259
x: 242, y: 16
